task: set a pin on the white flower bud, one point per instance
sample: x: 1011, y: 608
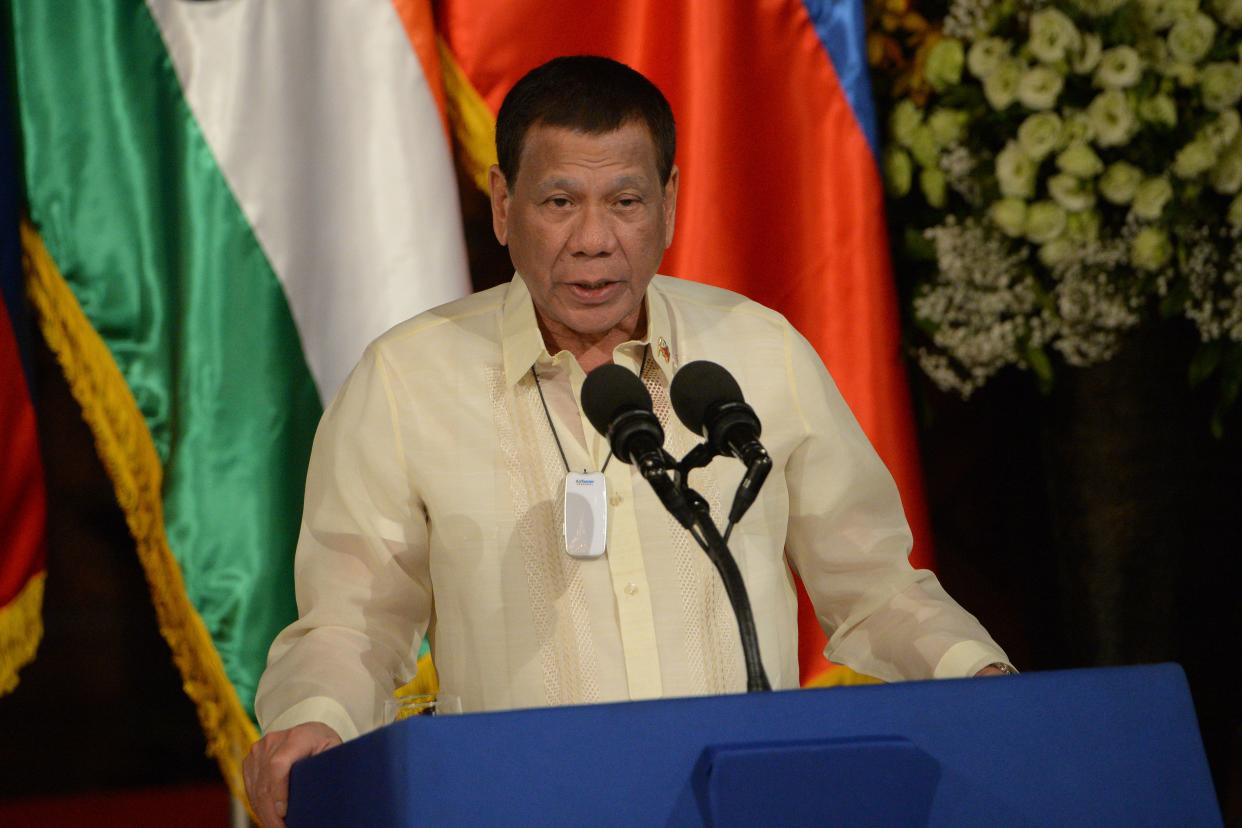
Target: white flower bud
x: 1112, y: 118
x: 1071, y: 193
x: 1120, y: 68
x: 1053, y: 35
x: 1009, y: 214
x: 1150, y: 249
x: 1191, y: 38
x: 1045, y: 221
x: 1040, y: 134
x: 1015, y: 172
x: 1120, y: 182
x: 1151, y: 197
x: 1039, y: 87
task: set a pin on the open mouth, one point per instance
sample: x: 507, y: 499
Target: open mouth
x: 594, y: 292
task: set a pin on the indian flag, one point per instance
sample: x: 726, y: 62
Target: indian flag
x: 226, y: 201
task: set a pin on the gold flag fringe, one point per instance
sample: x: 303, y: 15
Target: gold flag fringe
x: 838, y: 675
x: 474, y: 125
x: 128, y: 453
x: 21, y: 629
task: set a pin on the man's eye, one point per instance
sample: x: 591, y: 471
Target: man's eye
x: 627, y: 202
x: 560, y: 202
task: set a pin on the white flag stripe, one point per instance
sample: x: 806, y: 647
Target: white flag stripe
x: 322, y: 122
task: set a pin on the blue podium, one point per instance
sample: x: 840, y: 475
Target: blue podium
x: 1102, y: 747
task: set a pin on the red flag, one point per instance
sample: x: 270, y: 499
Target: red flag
x: 22, y: 504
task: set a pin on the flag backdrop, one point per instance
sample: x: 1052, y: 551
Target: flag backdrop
x: 781, y: 198
x: 22, y: 504
x: 226, y: 202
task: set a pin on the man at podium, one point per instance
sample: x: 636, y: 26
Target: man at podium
x: 436, y: 488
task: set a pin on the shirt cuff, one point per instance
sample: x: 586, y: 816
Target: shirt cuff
x: 316, y: 709
x: 965, y: 658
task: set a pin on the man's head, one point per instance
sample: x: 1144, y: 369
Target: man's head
x: 587, y: 94
x: 585, y: 193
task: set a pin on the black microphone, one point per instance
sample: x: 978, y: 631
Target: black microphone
x: 709, y: 402
x: 619, y: 407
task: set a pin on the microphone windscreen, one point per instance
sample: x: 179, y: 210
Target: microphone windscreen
x: 698, y: 386
x: 609, y: 390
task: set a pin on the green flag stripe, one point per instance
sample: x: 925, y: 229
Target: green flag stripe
x: 145, y: 230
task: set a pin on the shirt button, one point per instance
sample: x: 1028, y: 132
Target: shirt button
x: 615, y: 500
x: 631, y: 588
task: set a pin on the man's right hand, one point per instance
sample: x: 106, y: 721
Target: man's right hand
x: 266, y: 769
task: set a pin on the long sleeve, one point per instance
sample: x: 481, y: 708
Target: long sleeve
x: 849, y: 540
x: 361, y: 572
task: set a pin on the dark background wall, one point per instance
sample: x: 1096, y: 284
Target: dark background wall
x: 1096, y: 525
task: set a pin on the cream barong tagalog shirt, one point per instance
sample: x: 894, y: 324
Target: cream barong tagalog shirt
x: 434, y: 508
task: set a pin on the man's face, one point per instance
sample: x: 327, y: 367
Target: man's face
x: 586, y: 222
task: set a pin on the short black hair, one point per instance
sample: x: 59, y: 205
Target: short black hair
x: 587, y: 94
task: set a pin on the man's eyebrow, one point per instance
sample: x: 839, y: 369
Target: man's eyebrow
x: 624, y: 181
x: 558, y: 184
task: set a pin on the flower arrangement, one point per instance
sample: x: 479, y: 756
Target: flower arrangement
x: 1071, y: 169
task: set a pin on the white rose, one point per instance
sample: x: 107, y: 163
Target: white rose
x: 1193, y: 159
x: 1221, y: 131
x: 1087, y: 57
x: 1235, y: 211
x: 924, y: 148
x: 986, y: 55
x: 1083, y: 226
x: 1120, y: 68
x: 1161, y: 14
x: 932, y: 183
x: 1001, y: 86
x: 1039, y: 87
x: 1228, y: 12
x: 1186, y: 74
x: 1159, y: 109
x: 1015, y: 172
x: 947, y: 125
x: 1150, y: 249
x: 1221, y: 85
x: 1077, y: 128
x: 1052, y: 35
x: 1056, y: 251
x: 943, y: 67
x: 1045, y: 221
x: 1112, y: 118
x: 905, y: 118
x: 1191, y: 38
x: 1040, y: 134
x: 898, y: 170
x: 1009, y: 214
x: 1226, y: 176
x: 1071, y: 193
x: 1151, y: 197
x: 1080, y: 160
x: 1119, y: 182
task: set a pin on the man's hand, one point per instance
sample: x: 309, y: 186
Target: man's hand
x: 997, y: 669
x: 266, y: 769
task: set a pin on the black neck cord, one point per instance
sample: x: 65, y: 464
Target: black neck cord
x: 642, y: 367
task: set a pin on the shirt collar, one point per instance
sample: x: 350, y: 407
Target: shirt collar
x: 522, y: 344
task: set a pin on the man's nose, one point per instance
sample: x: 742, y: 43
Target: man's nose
x: 593, y: 232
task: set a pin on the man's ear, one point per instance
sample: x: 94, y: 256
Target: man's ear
x: 500, y: 203
x: 670, y: 205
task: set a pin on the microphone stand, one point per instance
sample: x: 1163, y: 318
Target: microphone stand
x: 709, y: 538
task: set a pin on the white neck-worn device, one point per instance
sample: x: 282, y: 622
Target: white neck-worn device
x: 586, y: 514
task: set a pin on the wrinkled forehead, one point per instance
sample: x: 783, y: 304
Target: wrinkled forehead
x: 547, y: 145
